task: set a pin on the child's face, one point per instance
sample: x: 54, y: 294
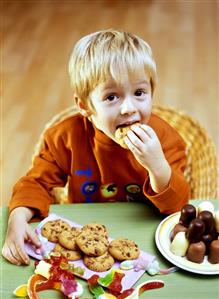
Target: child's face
x: 116, y: 105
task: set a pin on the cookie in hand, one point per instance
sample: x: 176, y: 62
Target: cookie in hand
x: 121, y: 133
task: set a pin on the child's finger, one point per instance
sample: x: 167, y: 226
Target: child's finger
x: 138, y: 130
x: 13, y: 260
x: 147, y: 129
x: 8, y: 256
x: 13, y: 256
x: 33, y: 238
x: 136, y: 145
x: 131, y: 146
x: 22, y: 253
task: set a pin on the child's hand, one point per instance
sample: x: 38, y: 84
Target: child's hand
x: 145, y: 146
x: 18, y: 231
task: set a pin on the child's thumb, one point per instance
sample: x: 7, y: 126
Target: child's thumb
x: 32, y: 236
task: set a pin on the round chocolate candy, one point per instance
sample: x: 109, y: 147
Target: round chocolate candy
x: 213, y: 256
x: 208, y: 219
x: 196, y: 252
x: 195, y: 230
x: 188, y: 213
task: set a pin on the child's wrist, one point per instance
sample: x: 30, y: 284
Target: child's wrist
x: 22, y: 213
x: 160, y: 178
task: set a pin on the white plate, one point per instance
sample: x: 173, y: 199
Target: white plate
x: 162, y: 239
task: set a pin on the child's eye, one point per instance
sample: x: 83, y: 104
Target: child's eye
x: 140, y: 92
x: 111, y: 97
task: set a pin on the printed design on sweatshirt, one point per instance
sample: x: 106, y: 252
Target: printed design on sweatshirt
x: 133, y: 192
x: 108, y: 190
x: 88, y: 188
x: 87, y: 172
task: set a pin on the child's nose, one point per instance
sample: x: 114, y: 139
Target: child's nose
x: 128, y: 106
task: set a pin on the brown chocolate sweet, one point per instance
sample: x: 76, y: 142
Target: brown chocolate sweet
x: 196, y: 252
x: 213, y: 256
x: 177, y: 228
x: 208, y: 219
x: 195, y: 230
x: 207, y: 239
x: 188, y: 213
x: 214, y: 234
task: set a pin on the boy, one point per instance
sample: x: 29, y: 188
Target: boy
x: 113, y: 75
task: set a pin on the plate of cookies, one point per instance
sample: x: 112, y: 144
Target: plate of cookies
x: 190, y: 239
x: 88, y: 247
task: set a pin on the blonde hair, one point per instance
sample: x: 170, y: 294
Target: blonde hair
x: 106, y: 53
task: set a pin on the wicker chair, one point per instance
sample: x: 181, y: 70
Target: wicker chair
x: 202, y: 168
x: 201, y: 171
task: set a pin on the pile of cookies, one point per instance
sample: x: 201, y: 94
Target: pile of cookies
x: 89, y: 243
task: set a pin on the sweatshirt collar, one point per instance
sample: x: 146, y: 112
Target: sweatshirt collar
x: 99, y: 136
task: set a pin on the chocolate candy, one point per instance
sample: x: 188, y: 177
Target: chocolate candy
x: 177, y: 228
x: 188, y: 213
x: 214, y: 234
x: 213, y: 256
x: 208, y: 219
x: 207, y: 239
x: 196, y: 252
x: 195, y: 230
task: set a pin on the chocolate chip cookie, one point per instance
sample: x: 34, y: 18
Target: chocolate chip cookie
x: 72, y: 255
x: 95, y: 227
x: 53, y: 228
x: 124, y: 249
x: 121, y: 133
x: 67, y: 238
x: 92, y: 243
x: 99, y: 263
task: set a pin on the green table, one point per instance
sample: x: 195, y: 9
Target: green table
x: 131, y: 220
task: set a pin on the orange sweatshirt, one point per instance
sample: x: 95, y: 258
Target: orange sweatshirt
x: 99, y: 170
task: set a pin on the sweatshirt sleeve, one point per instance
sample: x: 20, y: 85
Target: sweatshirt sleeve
x: 49, y: 170
x: 177, y: 193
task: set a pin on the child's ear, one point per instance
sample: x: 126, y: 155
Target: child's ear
x: 82, y: 108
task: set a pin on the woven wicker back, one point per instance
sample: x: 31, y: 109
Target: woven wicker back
x: 201, y: 171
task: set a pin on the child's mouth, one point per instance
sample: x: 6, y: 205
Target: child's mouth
x: 127, y: 124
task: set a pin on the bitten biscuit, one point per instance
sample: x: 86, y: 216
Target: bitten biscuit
x: 124, y: 249
x: 67, y: 238
x: 120, y: 134
x: 72, y: 255
x: 92, y: 244
x: 100, y: 263
x: 53, y: 228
